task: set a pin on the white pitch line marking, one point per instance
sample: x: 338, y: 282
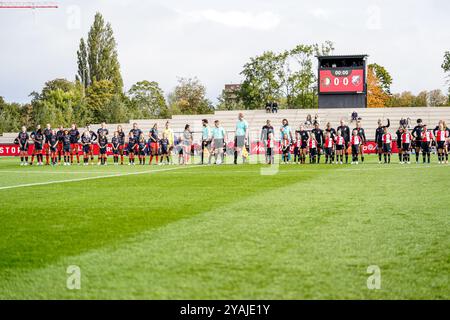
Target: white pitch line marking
x: 90, y: 178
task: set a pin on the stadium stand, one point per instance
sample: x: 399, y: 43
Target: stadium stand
x: 296, y: 117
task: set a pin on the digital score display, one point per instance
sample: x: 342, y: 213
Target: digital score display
x: 341, y: 80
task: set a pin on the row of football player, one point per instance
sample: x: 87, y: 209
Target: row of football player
x: 336, y: 147
x: 68, y: 139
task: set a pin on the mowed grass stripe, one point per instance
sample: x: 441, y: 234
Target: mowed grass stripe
x: 45, y: 223
x: 91, y: 178
x: 311, y: 239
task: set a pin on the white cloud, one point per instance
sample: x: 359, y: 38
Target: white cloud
x: 237, y: 19
x: 320, y: 13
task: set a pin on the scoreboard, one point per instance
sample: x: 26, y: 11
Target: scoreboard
x: 342, y: 80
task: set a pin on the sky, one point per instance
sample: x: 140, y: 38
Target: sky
x: 162, y: 40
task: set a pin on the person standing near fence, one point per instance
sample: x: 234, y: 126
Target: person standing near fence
x: 241, y: 134
x: 218, y: 141
x: 206, y: 140
x: 168, y: 132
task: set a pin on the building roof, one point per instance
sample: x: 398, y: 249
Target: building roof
x: 346, y: 56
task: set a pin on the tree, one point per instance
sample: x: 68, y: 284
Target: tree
x: 377, y: 97
x: 261, y: 80
x: 229, y: 101
x: 83, y: 67
x: 437, y: 99
x: 288, y: 77
x: 99, y: 96
x: 102, y: 57
x: 147, y: 100
x: 56, y: 103
x: 446, y: 66
x: 383, y: 76
x: 421, y: 100
x: 189, y: 97
x: 10, y: 116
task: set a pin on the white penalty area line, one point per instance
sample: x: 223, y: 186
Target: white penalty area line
x: 92, y: 178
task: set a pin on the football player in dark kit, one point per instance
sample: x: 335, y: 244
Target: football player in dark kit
x: 115, y: 147
x: 304, y: 137
x: 164, y: 143
x: 103, y: 144
x: 320, y: 139
x: 48, y: 132
x: 86, y: 142
x: 379, y: 137
x: 60, y: 135
x: 94, y: 138
x: 136, y: 132
x: 345, y: 133
x: 102, y: 129
x: 66, y: 148
x: 417, y: 135
x: 399, y: 134
x: 74, y: 139
x: 131, y: 147
x: 362, y: 134
x: 38, y: 139
x: 53, y: 146
x: 22, y: 140
x: 153, y: 143
x: 121, y: 137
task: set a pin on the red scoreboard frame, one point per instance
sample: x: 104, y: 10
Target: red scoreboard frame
x: 342, y: 80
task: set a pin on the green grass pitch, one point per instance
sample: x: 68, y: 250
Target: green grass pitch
x: 225, y: 232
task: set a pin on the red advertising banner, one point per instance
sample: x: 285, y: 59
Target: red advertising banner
x: 10, y: 150
x: 369, y: 148
x: 341, y: 80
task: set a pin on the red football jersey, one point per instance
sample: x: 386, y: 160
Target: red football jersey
x: 356, y: 140
x: 406, y: 137
x: 340, y: 141
x: 427, y: 136
x: 441, y: 135
x: 387, y: 138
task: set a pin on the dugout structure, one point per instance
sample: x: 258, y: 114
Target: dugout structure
x: 342, y: 81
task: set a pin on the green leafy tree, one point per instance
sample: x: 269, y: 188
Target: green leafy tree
x: 436, y: 98
x: 261, y: 80
x: 147, y: 100
x: 288, y: 77
x: 10, y: 116
x: 189, y: 97
x: 83, y: 67
x: 99, y: 96
x: 102, y: 57
x: 383, y: 76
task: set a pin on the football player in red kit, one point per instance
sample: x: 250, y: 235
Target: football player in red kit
x: 312, y: 146
x: 387, y: 146
x: 340, y: 147
x: 297, y: 147
x: 441, y: 140
x: 329, y: 148
x: 406, y: 146
x: 427, y: 140
x: 355, y: 143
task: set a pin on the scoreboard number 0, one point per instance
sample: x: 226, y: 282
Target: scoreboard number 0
x: 337, y: 81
